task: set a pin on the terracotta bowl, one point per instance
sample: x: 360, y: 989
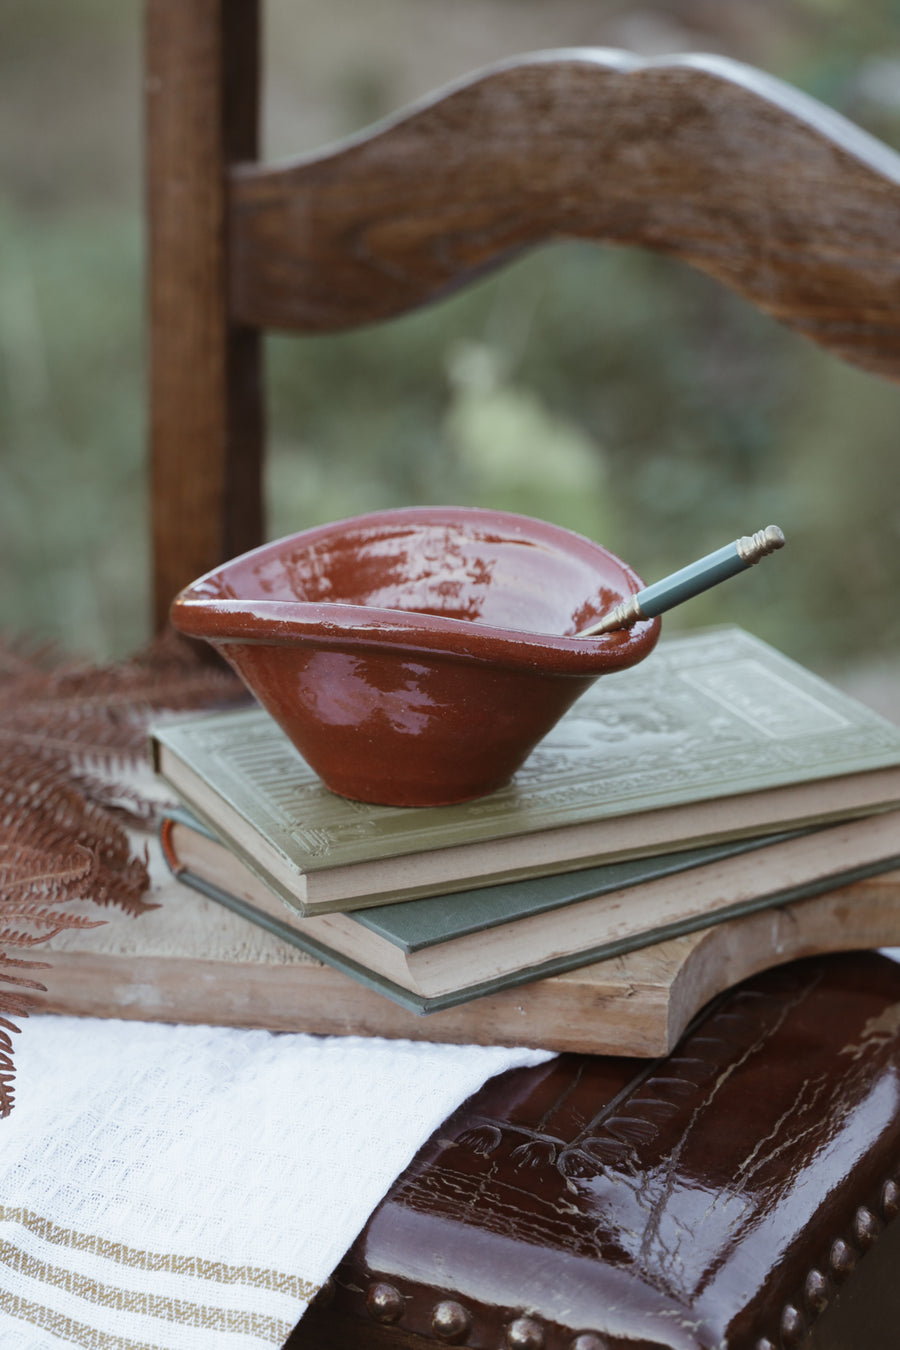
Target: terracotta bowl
x: 415, y: 657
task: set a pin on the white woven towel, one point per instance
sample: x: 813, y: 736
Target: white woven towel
x: 189, y: 1188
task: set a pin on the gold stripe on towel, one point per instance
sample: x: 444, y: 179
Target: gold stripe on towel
x: 181, y: 1311
x: 66, y: 1328
x: 255, y: 1277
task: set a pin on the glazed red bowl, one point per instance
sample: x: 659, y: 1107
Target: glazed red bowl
x: 415, y: 657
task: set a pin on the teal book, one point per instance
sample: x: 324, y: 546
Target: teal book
x: 436, y: 952
x: 714, y: 737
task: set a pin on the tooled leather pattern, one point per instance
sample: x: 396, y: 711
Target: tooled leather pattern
x: 619, y: 1133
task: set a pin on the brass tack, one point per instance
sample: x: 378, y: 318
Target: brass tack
x: 865, y: 1227
x: 385, y: 1303
x: 890, y: 1200
x: 589, y: 1340
x: 815, y: 1291
x: 451, y: 1321
x: 525, y: 1334
x: 764, y: 1344
x: 792, y: 1326
x: 842, y: 1258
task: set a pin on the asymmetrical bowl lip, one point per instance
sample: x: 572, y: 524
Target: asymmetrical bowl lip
x: 201, y: 610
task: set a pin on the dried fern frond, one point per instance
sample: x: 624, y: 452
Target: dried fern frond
x: 32, y: 911
x: 84, y: 711
x: 13, y: 1003
x: 7, y: 1078
x: 10, y: 962
x: 121, y: 801
x: 21, y: 654
x: 27, y: 868
x: 69, y: 732
x: 47, y: 825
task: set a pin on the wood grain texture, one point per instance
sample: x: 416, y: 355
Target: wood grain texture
x: 205, y: 381
x: 715, y: 163
x: 190, y: 960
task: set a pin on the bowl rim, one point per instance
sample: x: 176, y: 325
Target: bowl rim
x: 255, y: 621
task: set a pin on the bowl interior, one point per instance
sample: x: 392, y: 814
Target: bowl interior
x: 485, y: 567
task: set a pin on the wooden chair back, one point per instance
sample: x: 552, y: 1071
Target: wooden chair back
x: 701, y: 158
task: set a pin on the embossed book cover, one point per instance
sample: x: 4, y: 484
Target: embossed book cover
x: 715, y: 736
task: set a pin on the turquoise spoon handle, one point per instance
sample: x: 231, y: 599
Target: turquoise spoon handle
x: 690, y: 581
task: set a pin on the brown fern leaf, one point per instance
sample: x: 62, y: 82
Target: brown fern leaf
x: 26, y: 868
x: 7, y: 1079
x: 69, y: 734
x: 34, y: 914
x: 21, y: 655
x: 84, y: 711
x: 20, y: 938
x: 6, y: 978
x: 125, y: 804
x: 18, y: 1005
x: 46, y: 827
x: 35, y: 791
x: 23, y: 1005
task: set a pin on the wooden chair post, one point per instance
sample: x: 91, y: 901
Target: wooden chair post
x: 205, y: 394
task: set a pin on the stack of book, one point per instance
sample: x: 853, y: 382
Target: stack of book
x: 715, y: 779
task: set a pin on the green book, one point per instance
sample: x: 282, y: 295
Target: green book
x: 714, y: 737
x: 436, y: 952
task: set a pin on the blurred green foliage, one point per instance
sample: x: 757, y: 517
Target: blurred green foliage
x: 610, y: 390
x: 73, y: 545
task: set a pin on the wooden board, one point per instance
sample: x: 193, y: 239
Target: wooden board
x: 190, y: 960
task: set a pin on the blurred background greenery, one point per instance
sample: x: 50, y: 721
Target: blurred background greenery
x: 613, y: 391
